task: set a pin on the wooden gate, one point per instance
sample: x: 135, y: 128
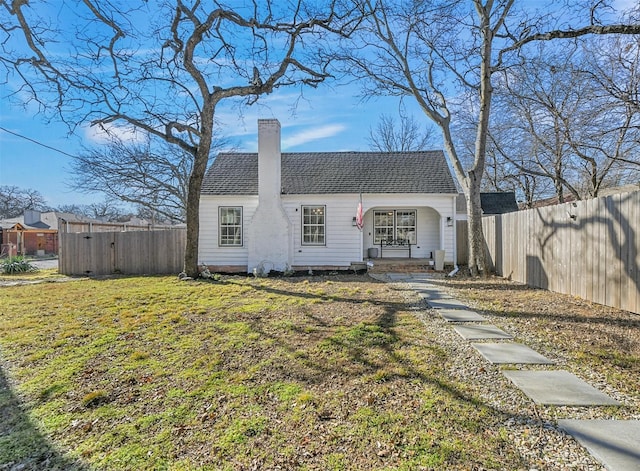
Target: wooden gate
x: 131, y: 253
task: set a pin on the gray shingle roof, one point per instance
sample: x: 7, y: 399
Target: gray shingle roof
x: 335, y: 172
x: 498, y: 203
x: 491, y: 203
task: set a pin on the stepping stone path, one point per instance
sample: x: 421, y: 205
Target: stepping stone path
x: 478, y: 332
x: 559, y: 388
x: 612, y: 442
x: 446, y: 303
x: 615, y: 443
x: 460, y: 315
x: 505, y: 353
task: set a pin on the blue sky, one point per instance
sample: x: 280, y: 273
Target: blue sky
x: 325, y: 119
x: 328, y: 118
x: 322, y: 119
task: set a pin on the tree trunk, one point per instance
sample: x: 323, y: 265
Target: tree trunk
x: 477, y: 256
x: 193, y: 215
x: 200, y: 161
x: 477, y: 253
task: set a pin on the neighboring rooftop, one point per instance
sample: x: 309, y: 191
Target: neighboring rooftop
x: 33, y: 219
x: 491, y: 203
x: 335, y: 172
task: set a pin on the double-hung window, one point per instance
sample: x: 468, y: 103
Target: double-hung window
x: 394, y: 225
x: 313, y: 225
x: 230, y: 222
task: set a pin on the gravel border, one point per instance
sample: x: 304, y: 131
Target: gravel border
x: 532, y: 428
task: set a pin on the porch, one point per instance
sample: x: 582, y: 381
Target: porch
x: 398, y: 232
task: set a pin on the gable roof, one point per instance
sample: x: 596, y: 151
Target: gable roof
x: 335, y: 172
x: 491, y: 202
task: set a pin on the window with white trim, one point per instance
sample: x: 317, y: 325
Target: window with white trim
x: 398, y: 224
x: 313, y: 225
x: 230, y: 226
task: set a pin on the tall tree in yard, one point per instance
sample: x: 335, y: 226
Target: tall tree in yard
x: 573, y: 112
x: 444, y: 54
x: 14, y: 201
x: 162, y: 66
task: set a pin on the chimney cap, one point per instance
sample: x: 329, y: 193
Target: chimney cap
x: 272, y: 121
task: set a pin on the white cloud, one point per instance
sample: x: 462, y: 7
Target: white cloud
x: 313, y: 134
x: 104, y: 133
x: 625, y: 4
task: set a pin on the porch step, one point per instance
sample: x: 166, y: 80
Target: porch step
x: 400, y: 265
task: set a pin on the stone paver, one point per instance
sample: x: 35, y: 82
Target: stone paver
x: 476, y: 332
x: 398, y: 276
x: 433, y: 295
x: 510, y: 353
x: 615, y: 443
x: 422, y: 286
x: 460, y: 315
x: 559, y: 388
x: 446, y: 304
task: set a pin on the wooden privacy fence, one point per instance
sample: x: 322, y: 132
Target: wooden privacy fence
x: 589, y: 249
x: 86, y: 226
x: 462, y: 245
x: 131, y: 253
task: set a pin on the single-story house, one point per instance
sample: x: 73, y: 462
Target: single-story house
x: 29, y: 235
x: 323, y: 210
x: 36, y: 232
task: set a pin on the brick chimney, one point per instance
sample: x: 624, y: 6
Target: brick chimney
x: 269, y: 160
x: 270, y: 238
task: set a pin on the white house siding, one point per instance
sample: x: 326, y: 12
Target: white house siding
x: 209, y: 251
x: 342, y: 238
x: 344, y: 242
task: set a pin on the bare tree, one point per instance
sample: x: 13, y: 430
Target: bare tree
x: 107, y: 210
x: 153, y: 176
x: 575, y: 132
x: 163, y: 66
x: 504, y: 136
x: 77, y: 209
x: 614, y: 68
x: 444, y: 54
x: 15, y: 200
x: 502, y: 175
x: 405, y: 136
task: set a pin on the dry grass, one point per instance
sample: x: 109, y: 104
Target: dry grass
x: 151, y: 373
x: 320, y: 373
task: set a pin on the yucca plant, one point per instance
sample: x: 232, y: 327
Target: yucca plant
x: 14, y: 265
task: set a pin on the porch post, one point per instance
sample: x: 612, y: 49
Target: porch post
x: 361, y: 232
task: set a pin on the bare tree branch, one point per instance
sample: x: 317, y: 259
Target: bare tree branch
x: 163, y: 66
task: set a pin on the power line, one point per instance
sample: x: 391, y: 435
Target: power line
x: 36, y: 142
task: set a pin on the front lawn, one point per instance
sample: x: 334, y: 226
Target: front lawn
x: 153, y: 373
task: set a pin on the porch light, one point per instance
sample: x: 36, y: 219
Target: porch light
x: 353, y: 222
x: 449, y: 221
